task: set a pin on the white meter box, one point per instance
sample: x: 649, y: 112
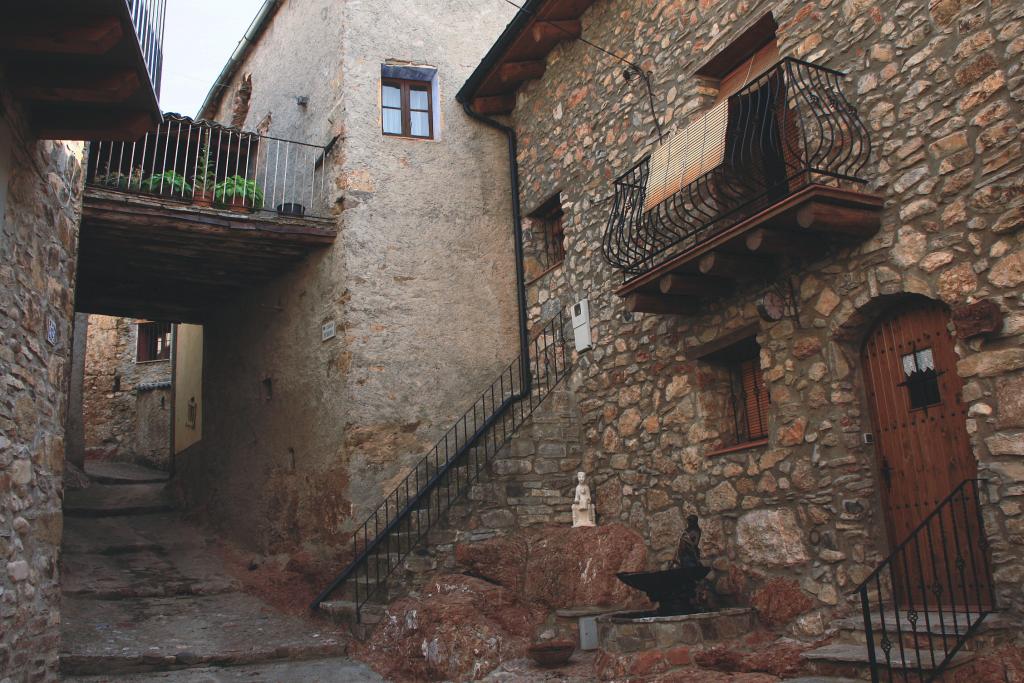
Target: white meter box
x: 581, y: 325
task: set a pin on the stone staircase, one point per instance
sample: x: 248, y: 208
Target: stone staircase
x: 923, y: 644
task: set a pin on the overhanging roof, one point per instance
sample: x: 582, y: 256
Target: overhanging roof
x: 520, y: 53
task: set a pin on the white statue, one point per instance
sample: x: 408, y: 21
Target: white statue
x: 583, y: 513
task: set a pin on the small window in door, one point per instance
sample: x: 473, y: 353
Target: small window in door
x: 407, y: 108
x: 922, y: 381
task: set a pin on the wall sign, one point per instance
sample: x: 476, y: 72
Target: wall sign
x: 328, y: 330
x: 981, y: 317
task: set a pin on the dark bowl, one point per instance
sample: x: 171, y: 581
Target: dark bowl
x: 552, y: 652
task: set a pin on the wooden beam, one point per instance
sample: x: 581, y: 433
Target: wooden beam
x: 61, y: 35
x: 652, y: 303
x: 59, y: 122
x: 93, y: 85
x: 677, y: 283
x: 544, y: 31
x: 845, y: 220
x: 765, y: 241
x: 517, y: 72
x: 734, y: 266
x: 723, y: 341
x: 495, y: 104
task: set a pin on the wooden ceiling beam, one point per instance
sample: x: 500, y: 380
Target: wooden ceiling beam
x: 87, y: 36
x: 91, y: 85
x: 731, y: 265
x: 777, y: 242
x: 547, y: 31
x: 854, y: 222
x: 693, y: 285
x: 495, y: 104
x: 663, y: 304
x: 517, y: 72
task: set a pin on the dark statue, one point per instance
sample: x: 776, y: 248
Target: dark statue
x: 675, y: 588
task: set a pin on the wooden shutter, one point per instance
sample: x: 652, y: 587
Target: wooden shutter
x: 755, y: 399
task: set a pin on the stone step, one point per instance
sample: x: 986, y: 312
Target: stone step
x: 153, y: 634
x: 932, y: 624
x: 344, y: 612
x: 114, y: 500
x: 107, y: 472
x: 852, y: 659
x: 331, y: 670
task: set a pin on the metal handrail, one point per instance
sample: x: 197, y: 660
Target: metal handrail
x: 206, y: 164
x: 919, y: 579
x: 789, y: 127
x: 450, y: 468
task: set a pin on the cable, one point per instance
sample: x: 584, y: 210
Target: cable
x: 631, y: 67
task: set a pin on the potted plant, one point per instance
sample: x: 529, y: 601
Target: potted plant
x: 205, y: 179
x: 170, y: 183
x: 237, y: 193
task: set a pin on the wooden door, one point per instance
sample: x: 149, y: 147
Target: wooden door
x: 923, y: 455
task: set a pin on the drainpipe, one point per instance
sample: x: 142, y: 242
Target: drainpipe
x: 517, y: 232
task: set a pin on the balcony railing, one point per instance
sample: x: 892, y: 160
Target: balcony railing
x: 788, y: 128
x: 210, y: 165
x: 148, y: 17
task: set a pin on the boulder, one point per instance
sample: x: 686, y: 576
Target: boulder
x: 779, y: 601
x: 458, y: 628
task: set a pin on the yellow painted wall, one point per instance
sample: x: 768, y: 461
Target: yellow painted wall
x: 188, y: 385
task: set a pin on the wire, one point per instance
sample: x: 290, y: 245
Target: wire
x: 634, y: 68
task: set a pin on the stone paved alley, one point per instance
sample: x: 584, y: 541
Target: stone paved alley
x: 147, y: 596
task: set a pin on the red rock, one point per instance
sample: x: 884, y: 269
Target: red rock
x: 779, y: 601
x: 991, y: 666
x: 678, y: 656
x: 648, y: 662
x: 778, y: 659
x: 501, y: 560
x: 720, y: 658
x: 460, y: 628
x: 805, y: 347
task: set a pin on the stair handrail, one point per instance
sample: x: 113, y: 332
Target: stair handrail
x: 973, y: 614
x: 533, y: 377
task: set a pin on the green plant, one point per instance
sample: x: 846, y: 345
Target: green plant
x: 236, y: 188
x: 120, y: 181
x: 205, y: 178
x: 168, y: 182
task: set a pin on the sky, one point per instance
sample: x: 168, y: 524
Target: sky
x: 199, y: 37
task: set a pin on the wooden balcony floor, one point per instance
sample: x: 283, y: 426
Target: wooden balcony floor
x: 153, y: 258
x: 799, y: 225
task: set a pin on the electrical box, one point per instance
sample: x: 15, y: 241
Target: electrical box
x: 581, y: 325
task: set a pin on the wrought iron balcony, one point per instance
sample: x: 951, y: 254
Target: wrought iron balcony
x: 787, y: 132
x: 213, y: 167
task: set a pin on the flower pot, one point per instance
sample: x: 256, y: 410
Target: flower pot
x: 552, y: 652
x: 203, y: 199
x: 291, y: 209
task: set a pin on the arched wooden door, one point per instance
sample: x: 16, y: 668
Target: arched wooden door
x: 923, y: 455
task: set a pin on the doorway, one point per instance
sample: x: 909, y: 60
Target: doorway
x: 924, y: 457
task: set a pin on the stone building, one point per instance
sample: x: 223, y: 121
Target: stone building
x: 739, y: 369
x: 306, y: 431
x: 127, y: 391
x: 42, y: 125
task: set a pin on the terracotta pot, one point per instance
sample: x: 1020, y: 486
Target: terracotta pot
x: 203, y: 199
x: 552, y: 652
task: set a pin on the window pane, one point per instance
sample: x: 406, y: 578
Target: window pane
x: 391, y: 96
x: 420, y: 121
x: 393, y: 121
x: 419, y: 99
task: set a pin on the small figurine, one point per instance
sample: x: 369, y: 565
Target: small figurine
x: 583, y: 512
x: 688, y: 552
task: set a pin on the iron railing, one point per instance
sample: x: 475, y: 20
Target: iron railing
x: 787, y: 128
x: 402, y: 521
x: 931, y: 594
x: 148, y: 18
x: 208, y: 164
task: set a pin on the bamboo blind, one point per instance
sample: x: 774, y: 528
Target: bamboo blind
x: 700, y: 146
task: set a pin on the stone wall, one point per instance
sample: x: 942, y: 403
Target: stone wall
x: 40, y: 199
x: 940, y: 87
x: 125, y: 404
x: 302, y: 436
